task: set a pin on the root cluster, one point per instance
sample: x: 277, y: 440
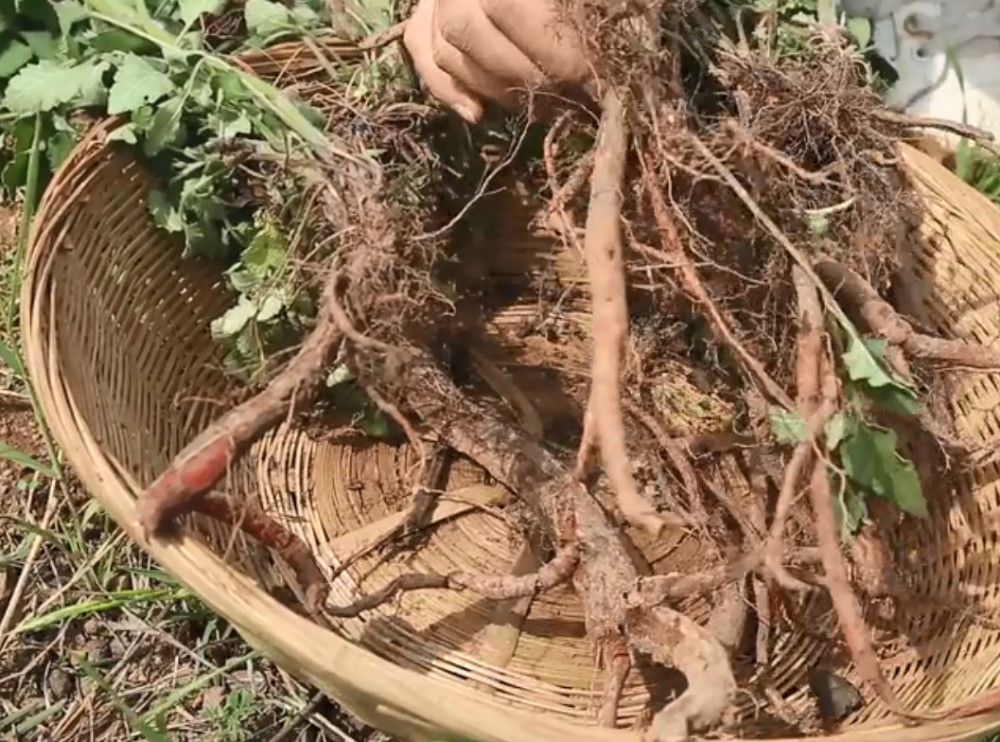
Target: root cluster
x: 701, y: 230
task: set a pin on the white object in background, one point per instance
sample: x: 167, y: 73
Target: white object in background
x: 947, y: 56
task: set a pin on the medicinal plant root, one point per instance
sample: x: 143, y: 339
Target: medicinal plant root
x: 206, y: 460
x: 860, y: 298
x: 267, y: 531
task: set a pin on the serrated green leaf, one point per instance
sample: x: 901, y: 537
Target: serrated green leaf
x: 165, y: 128
x: 43, y: 86
x: 870, y: 458
x: 267, y: 252
x: 787, y: 426
x: 862, y: 365
x: 264, y: 17
x: 192, y: 10
x: 137, y: 82
x: 235, y: 319
x: 270, y: 307
x: 835, y: 430
x: 13, y: 56
x: 92, y: 89
x: 229, y: 126
x: 164, y: 214
x: 241, y: 279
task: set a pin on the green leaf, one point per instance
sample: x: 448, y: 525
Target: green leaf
x: 163, y: 212
x: 13, y: 56
x: 11, y: 359
x: 861, y: 30
x: 192, y: 10
x: 894, y: 399
x: 266, y: 252
x: 124, y: 133
x: 235, y: 319
x: 69, y: 12
x: 22, y: 459
x: 835, y: 431
x: 119, y: 40
x: 43, y: 86
x: 165, y: 128
x: 270, y: 308
x: 340, y: 375
x: 862, y: 365
x: 788, y: 427
x: 849, y: 508
x: 42, y: 43
x: 819, y: 224
x: 264, y: 17
x: 58, y: 148
x: 241, y: 279
x: 230, y: 126
x: 375, y: 423
x: 92, y: 90
x: 39, y: 10
x: 137, y: 83
x: 870, y: 459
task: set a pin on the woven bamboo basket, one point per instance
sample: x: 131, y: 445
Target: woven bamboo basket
x: 116, y: 333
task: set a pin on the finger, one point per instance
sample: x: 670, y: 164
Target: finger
x: 466, y: 27
x: 418, y: 37
x: 535, y: 27
x: 465, y: 70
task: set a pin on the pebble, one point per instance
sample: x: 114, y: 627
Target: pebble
x: 60, y: 683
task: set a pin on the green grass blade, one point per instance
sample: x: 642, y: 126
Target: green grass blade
x: 97, y: 605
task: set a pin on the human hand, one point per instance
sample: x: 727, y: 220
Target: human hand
x: 469, y: 51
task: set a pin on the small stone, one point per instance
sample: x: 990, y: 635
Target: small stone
x: 60, y: 683
x: 836, y: 697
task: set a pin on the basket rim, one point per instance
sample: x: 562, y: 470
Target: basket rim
x: 381, y: 693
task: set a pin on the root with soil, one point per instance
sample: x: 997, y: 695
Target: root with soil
x: 705, y: 190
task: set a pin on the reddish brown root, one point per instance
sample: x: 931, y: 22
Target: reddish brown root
x: 257, y: 524
x: 206, y: 459
x: 602, y: 249
x: 859, y: 297
x: 494, y: 587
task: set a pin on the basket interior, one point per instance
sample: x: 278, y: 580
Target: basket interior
x: 130, y: 324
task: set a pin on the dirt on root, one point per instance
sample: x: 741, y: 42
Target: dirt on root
x: 689, y: 316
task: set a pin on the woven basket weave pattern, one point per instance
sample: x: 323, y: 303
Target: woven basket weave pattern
x: 116, y: 332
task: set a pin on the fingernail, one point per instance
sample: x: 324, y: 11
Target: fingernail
x: 466, y: 113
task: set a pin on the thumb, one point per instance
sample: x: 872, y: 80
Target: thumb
x: 418, y: 37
